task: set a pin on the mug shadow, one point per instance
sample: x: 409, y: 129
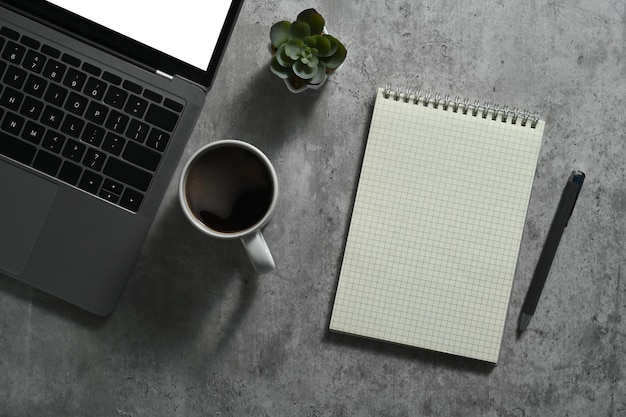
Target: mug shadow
x: 186, y: 285
x: 187, y: 288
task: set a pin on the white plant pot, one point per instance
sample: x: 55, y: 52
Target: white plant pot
x: 304, y: 87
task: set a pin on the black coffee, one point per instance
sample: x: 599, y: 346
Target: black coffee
x: 229, y: 189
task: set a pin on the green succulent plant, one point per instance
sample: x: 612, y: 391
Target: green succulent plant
x: 302, y: 52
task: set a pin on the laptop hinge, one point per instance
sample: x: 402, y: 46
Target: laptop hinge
x: 171, y: 78
x: 165, y: 75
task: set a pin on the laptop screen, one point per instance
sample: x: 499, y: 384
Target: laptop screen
x: 185, y: 29
x: 177, y: 37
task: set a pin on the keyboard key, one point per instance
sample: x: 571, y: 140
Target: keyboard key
x: 31, y: 108
x: 13, y: 53
x: 30, y: 42
x: 47, y: 162
x: 142, y: 156
x: 53, y: 141
x: 90, y: 182
x: 35, y: 86
x: 96, y: 113
x: 15, y: 77
x: 52, y: 117
x: 151, y: 95
x: 109, y: 196
x: 72, y: 125
x: 70, y: 172
x: 136, y: 106
x: 13, y: 124
x: 92, y: 69
x: 16, y: 149
x: 112, y: 78
x: 54, y: 70
x: 131, y: 86
x: 76, y: 104
x: 171, y: 104
x: 115, y: 97
x: 113, y: 144
x: 131, y: 200
x: 117, y: 122
x: 75, y: 79
x: 161, y: 117
x: 70, y: 59
x: 127, y: 174
x: 74, y: 150
x: 137, y: 131
x: 11, y: 99
x: 50, y: 51
x: 94, y: 159
x: 55, y: 95
x: 34, y: 61
x: 33, y: 132
x: 112, y: 186
x: 92, y: 135
x: 9, y: 33
x: 95, y: 88
x: 157, y: 140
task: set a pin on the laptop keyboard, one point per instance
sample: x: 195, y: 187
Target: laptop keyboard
x: 86, y: 126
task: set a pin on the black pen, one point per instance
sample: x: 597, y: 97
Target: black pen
x: 563, y: 213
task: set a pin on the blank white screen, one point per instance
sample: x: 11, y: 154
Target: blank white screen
x: 185, y: 29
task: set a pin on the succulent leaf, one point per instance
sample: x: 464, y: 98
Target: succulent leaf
x: 337, y: 58
x: 279, y: 33
x: 293, y: 48
x: 279, y: 70
x: 321, y: 74
x: 334, y: 44
x: 299, y: 30
x: 323, y: 46
x: 311, y: 61
x: 310, y: 41
x: 304, y: 71
x: 313, y: 19
x: 282, y: 58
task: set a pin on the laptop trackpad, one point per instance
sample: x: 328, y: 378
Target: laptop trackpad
x: 25, y: 200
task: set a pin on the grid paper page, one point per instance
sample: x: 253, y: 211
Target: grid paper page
x: 436, y: 228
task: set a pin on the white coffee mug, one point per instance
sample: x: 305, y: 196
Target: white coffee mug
x: 228, y: 190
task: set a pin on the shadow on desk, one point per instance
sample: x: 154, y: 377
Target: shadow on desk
x: 432, y: 358
x: 187, y: 288
x: 47, y: 303
x: 272, y: 112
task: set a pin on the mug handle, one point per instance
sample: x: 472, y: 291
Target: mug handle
x: 258, y: 252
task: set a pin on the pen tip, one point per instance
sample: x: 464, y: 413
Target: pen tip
x: 524, y: 320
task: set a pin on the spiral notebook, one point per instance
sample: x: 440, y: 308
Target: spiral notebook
x: 437, y: 223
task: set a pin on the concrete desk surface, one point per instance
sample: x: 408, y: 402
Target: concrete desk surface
x: 197, y: 333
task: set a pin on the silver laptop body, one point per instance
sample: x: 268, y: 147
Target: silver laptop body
x: 92, y: 127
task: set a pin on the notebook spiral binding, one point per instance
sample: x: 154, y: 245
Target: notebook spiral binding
x: 476, y: 109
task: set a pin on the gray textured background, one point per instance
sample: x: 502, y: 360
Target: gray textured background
x: 196, y: 333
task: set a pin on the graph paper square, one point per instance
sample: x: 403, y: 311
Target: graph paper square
x: 436, y: 227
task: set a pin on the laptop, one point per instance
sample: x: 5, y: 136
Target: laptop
x: 97, y: 102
